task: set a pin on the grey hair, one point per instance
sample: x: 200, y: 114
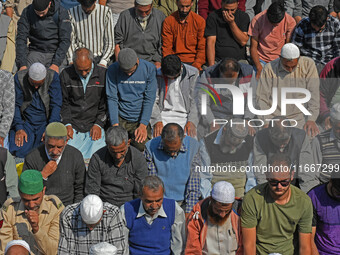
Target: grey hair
x: 152, y: 182
x: 56, y: 137
x: 115, y: 136
x: 171, y: 131
x: 89, y: 54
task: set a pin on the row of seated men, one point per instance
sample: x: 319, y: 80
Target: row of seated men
x: 152, y: 35
x: 275, y: 217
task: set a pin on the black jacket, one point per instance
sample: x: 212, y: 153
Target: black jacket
x: 50, y: 34
x: 79, y: 109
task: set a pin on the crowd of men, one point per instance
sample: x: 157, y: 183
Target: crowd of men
x: 170, y: 127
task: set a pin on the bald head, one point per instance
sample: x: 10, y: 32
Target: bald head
x: 17, y: 250
x: 82, y: 60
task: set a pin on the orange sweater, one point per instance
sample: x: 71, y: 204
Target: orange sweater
x: 186, y: 40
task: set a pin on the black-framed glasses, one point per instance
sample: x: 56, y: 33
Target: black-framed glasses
x: 275, y: 183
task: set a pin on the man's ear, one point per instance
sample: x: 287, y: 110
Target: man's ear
x: 44, y: 189
x: 128, y: 143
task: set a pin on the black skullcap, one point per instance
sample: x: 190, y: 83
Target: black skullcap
x: 40, y: 5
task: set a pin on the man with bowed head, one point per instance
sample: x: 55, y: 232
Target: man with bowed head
x: 17, y: 247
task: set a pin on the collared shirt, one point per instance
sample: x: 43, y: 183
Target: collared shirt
x: 177, y: 229
x: 77, y: 238
x: 193, y: 186
x: 16, y: 226
x: 320, y: 46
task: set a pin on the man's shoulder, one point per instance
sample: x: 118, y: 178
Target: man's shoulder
x: 198, y: 18
x: 127, y: 14
x: 159, y: 15
x: 10, y: 203
x: 256, y: 194
x: 241, y: 16
x: 36, y: 154
x: 301, y: 197
x: 54, y: 202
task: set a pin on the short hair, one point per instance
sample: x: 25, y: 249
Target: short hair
x: 56, y: 137
x: 228, y: 2
x: 152, y: 182
x: 278, y: 131
x: 276, y: 12
x: 318, y: 15
x: 280, y: 158
x: 86, y: 3
x: 79, y: 50
x: 171, y: 131
x: 229, y: 64
x: 171, y: 65
x: 115, y: 136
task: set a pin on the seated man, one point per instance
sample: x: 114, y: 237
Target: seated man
x: 175, y: 98
x: 272, y: 212
x: 329, y: 90
x: 228, y: 150
x: 183, y: 35
x: 92, y: 22
x: 139, y: 28
x: 8, y: 176
x: 16, y: 247
x: 214, y: 225
x: 227, y: 72
x: 325, y: 147
x: 116, y: 170
x: 174, y: 158
x: 269, y: 31
x: 33, y: 218
x: 7, y: 105
x: 165, y: 232
x: 131, y: 91
x: 84, y: 103
x: 326, y: 226
x: 46, y: 25
x: 318, y: 36
x: 226, y: 33
x: 38, y: 100
x: 290, y: 71
x: 61, y: 165
x: 293, y: 141
x: 90, y: 222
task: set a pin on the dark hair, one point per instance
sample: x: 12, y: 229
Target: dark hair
x: 318, y: 15
x: 229, y: 64
x: 86, y: 3
x: 171, y: 65
x: 228, y: 2
x: 278, y: 131
x: 171, y: 131
x: 276, y: 12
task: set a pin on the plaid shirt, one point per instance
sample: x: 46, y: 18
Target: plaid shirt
x: 192, y: 191
x: 76, y: 238
x: 320, y: 46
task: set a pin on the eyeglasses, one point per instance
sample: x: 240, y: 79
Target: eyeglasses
x: 275, y: 183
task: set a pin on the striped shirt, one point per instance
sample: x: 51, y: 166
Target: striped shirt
x: 93, y: 31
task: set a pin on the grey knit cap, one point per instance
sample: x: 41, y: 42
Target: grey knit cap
x: 127, y: 58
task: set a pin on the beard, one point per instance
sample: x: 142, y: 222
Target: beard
x: 216, y: 219
x: 183, y: 15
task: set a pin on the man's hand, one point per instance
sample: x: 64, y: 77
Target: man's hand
x: 96, y: 133
x: 157, y: 129
x: 311, y: 128
x: 20, y: 136
x: 328, y: 124
x: 212, y: 128
x: 49, y: 169
x: 33, y: 219
x: 190, y: 129
x: 69, y: 132
x: 229, y: 18
x: 140, y: 133
x: 157, y: 64
x: 258, y: 71
x: 54, y: 68
x: 23, y: 68
x: 2, y: 139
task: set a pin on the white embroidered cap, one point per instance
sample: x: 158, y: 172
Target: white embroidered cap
x: 223, y: 192
x: 290, y: 51
x: 91, y: 209
x: 103, y: 248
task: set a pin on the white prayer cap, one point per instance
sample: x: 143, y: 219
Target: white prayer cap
x: 223, y: 192
x: 290, y: 51
x: 144, y: 2
x: 91, y: 209
x: 103, y: 248
x: 37, y: 72
x: 335, y: 112
x: 274, y: 254
x: 17, y: 242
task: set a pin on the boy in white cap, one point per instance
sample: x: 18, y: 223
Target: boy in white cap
x: 293, y: 71
x: 216, y: 221
x: 17, y: 247
x: 90, y: 222
x: 38, y: 100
